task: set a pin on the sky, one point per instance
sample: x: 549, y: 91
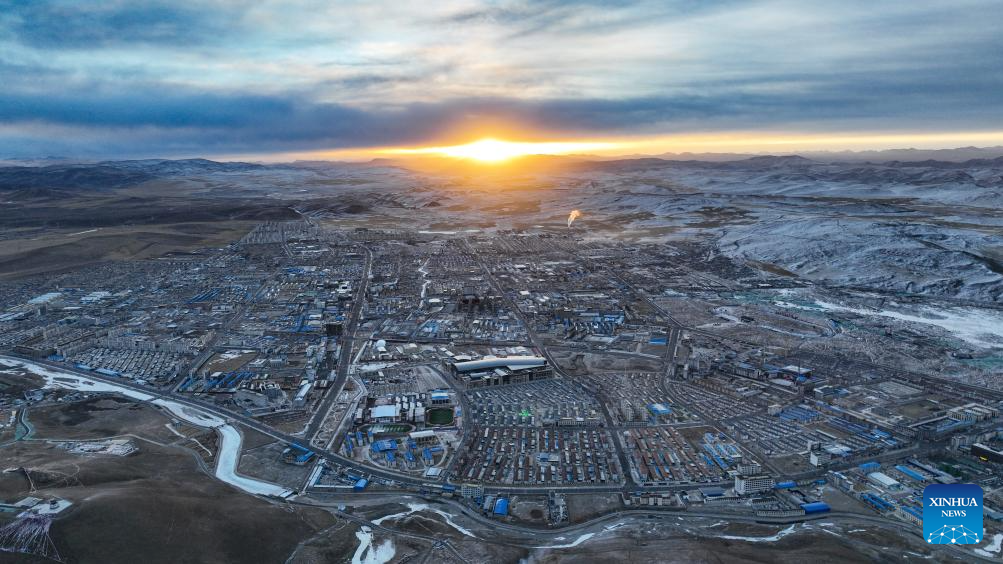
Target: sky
x: 218, y: 78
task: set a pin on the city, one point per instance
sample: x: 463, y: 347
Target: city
x: 501, y: 281
x: 534, y: 378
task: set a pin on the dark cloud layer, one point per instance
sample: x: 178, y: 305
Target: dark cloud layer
x: 157, y: 78
x: 63, y: 25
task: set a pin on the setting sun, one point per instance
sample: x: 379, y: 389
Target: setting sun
x: 494, y: 150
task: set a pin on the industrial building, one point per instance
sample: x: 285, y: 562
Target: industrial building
x: 496, y: 371
x: 883, y: 480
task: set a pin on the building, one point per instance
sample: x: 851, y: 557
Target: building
x: 815, y: 507
x: 472, y: 491
x: 438, y: 397
x: 659, y: 411
x: 819, y: 457
x: 501, y: 507
x: 796, y: 371
x: 747, y: 485
x: 496, y: 371
x: 986, y: 453
x: 883, y: 480
x: 973, y: 412
x: 380, y: 350
x: 302, y: 394
x: 825, y: 392
x: 386, y: 413
x: 423, y: 438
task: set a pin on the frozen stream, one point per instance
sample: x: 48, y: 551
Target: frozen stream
x: 230, y: 439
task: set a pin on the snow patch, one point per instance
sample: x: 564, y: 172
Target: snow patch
x: 366, y: 554
x: 993, y: 548
x: 573, y: 543
x: 773, y: 538
x: 979, y: 327
x: 416, y: 507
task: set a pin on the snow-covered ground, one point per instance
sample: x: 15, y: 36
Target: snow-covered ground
x: 229, y: 447
x: 924, y: 259
x: 366, y: 553
x: 992, y: 549
x: 233, y: 353
x: 374, y: 366
x: 226, y: 466
x: 771, y: 538
x: 979, y: 327
x: 416, y: 507
x: 59, y: 379
x: 190, y: 414
x: 573, y: 543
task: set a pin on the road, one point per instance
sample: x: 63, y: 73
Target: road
x: 345, y: 358
x: 210, y: 348
x: 497, y: 532
x: 250, y: 423
x: 539, y: 345
x: 335, y: 458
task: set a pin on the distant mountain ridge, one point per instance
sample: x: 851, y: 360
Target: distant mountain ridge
x: 107, y: 175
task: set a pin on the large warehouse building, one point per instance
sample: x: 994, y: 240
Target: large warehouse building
x: 495, y: 371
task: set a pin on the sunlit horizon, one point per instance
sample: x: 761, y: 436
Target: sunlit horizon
x: 489, y: 149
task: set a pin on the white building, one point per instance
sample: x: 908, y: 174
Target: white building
x: 819, y: 458
x: 386, y: 413
x: 883, y: 480
x: 746, y: 485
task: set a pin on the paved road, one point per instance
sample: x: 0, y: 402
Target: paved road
x: 538, y: 343
x: 408, y: 480
x: 530, y: 537
x: 333, y: 457
x: 345, y: 358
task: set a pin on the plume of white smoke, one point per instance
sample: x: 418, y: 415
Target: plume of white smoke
x: 575, y: 214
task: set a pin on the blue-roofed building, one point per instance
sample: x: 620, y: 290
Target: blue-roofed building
x: 501, y: 506
x: 910, y: 473
x: 815, y: 507
x: 659, y: 409
x: 384, y: 445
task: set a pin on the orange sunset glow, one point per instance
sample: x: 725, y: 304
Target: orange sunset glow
x: 493, y: 149
x: 490, y: 150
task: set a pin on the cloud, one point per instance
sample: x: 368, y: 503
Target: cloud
x: 158, y: 77
x: 56, y: 24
